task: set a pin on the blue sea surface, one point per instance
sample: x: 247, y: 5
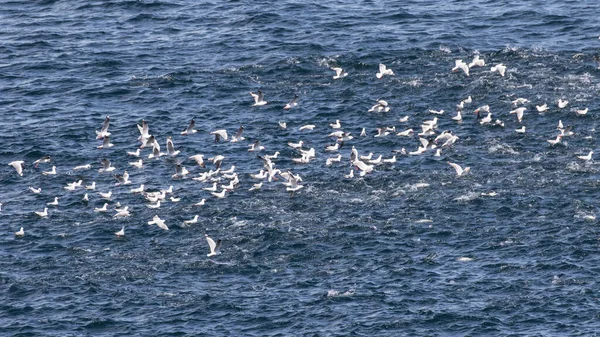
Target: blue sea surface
x: 410, y: 249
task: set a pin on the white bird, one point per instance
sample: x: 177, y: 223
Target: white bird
x: 85, y: 197
x: 171, y: 148
x: 190, y: 129
x: 156, y: 205
x: 20, y: 233
x: 53, y: 203
x: 212, y: 189
x: 458, y: 116
x: 122, y: 179
x: 105, y: 195
x: 403, y: 119
x: 258, y: 98
x: 477, y: 62
x: 43, y: 213
x: 335, y: 125
x: 199, y: 159
x: 255, y: 147
x: 459, y: 170
x: 200, y: 203
x: 122, y: 212
x: 487, y: 119
x: 106, y: 167
x: 542, y: 108
x: 362, y: 167
x: 214, y: 247
x: 349, y: 175
x: 219, y: 195
x: 106, y: 143
x: 562, y: 104
x: 35, y: 190
x: 82, y: 167
x: 255, y: 187
x: 102, y: 209
x: 137, y: 190
x: 121, y: 232
x: 219, y: 134
x: 556, y: 140
x: 144, y: 133
x: 581, y: 112
x: 520, y: 100
x: 307, y: 127
x: 104, y: 130
x: 194, y: 220
x: 520, y: 130
x: 383, y: 71
x: 460, y: 65
x: 296, y: 145
x: 293, y: 103
x: 381, y: 106
x: 282, y: 125
x: 180, y: 171
x: 405, y: 133
x: 137, y: 164
x: 437, y: 112
x: 332, y: 160
x: 586, y: 157
x: 136, y: 153
x: 339, y: 73
x: 519, y: 112
x: 159, y: 222
x: 51, y: 172
x: 44, y: 159
x: 18, y: 165
x: 238, y: 135
x: 500, y: 68
x: 91, y: 186
x: 363, y: 132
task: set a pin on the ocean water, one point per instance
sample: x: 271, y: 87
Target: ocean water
x: 410, y: 249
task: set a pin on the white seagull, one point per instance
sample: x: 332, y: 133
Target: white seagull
x: 460, y: 65
x: 459, y: 170
x: 258, y: 98
x: 18, y: 165
x: 339, y: 73
x: 159, y: 222
x: 214, y: 247
x: 383, y: 71
x: 292, y: 103
x: 500, y: 68
x: 190, y: 129
x: 586, y: 157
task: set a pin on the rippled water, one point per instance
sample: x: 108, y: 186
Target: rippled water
x: 411, y: 249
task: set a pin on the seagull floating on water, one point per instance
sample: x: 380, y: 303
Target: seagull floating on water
x: 339, y: 73
x: 156, y: 220
x: 500, y: 68
x: 121, y: 232
x: 383, y: 70
x: 460, y: 65
x: 20, y: 233
x: 293, y: 103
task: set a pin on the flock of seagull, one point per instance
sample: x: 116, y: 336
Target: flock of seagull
x: 221, y: 182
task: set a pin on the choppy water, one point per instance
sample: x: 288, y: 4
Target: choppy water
x: 510, y: 249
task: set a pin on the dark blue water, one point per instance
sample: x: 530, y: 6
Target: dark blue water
x: 510, y: 249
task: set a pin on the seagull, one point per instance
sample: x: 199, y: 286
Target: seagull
x: 219, y: 134
x: 519, y: 112
x: 292, y: 103
x: 436, y: 112
x: 381, y: 106
x: 459, y: 170
x: 159, y: 222
x: 102, y: 209
x: 121, y: 232
x: 332, y: 160
x: 43, y: 213
x: 214, y: 247
x: 200, y: 203
x: 199, y: 158
x: 405, y: 133
x: 104, y: 130
x: 219, y: 195
x: 44, y: 159
x: 190, y: 129
x: 106, y: 143
x: 296, y: 145
x: 500, y: 68
x: 91, y: 187
x: 106, y: 166
x: 20, y: 233
x: 122, y: 212
x: 135, y: 154
x: 562, y: 104
x: 35, y: 190
x: 335, y: 125
x: 171, y: 148
x: 105, y: 195
x: 307, y: 127
x: 137, y: 164
x: 477, y: 62
x: 137, y: 190
x: 520, y: 100
x: 520, y: 130
x: 82, y: 167
x: 556, y: 140
x: 458, y: 65
x: 51, y: 172
x: 238, y: 135
x: 258, y: 98
x: 194, y: 220
x: 156, y: 205
x: 53, y: 203
x: 586, y: 157
x: 85, y: 197
x: 255, y: 187
x: 122, y: 179
x: 255, y: 147
x: 542, y: 108
x: 282, y: 125
x: 581, y: 112
x: 383, y: 71
x: 487, y: 119
x: 403, y: 119
x: 180, y: 171
x: 19, y: 165
x: 349, y: 175
x: 458, y: 116
x: 363, y: 167
x: 339, y: 73
x: 144, y: 134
